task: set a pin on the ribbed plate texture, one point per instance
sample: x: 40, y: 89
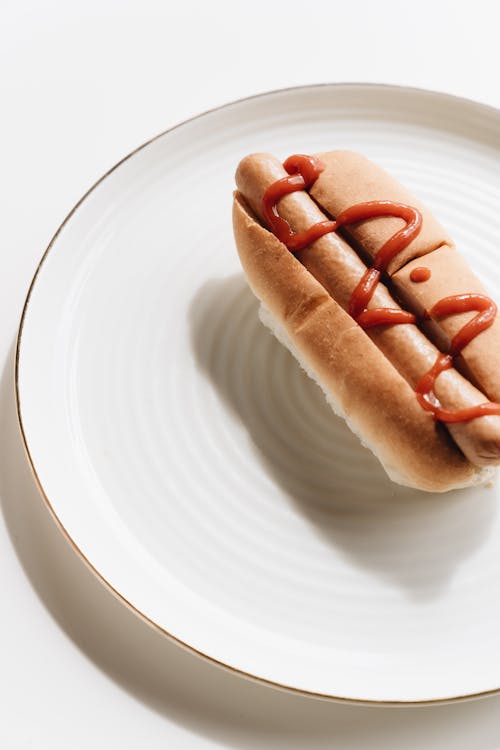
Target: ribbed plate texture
x: 196, y: 466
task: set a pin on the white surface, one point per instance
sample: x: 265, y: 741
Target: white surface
x: 197, y: 467
x: 85, y: 85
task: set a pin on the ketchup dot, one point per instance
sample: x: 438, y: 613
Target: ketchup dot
x: 420, y: 274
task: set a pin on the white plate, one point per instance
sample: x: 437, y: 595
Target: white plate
x: 193, y: 464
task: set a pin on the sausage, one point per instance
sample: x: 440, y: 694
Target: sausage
x: 350, y: 178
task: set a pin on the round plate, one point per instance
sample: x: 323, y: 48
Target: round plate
x: 196, y: 467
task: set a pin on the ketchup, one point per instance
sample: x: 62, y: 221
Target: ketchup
x: 420, y: 274
x: 303, y: 171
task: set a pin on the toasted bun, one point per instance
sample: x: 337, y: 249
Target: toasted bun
x: 359, y: 382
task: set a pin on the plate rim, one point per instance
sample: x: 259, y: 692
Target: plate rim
x: 18, y: 343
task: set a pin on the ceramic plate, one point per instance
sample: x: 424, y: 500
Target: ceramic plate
x: 196, y: 467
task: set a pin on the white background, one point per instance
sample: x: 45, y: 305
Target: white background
x: 81, y: 85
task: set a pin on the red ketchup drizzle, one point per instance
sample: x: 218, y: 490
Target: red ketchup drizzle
x: 303, y: 171
x: 420, y: 274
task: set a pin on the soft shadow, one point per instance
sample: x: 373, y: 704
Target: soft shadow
x: 414, y: 539
x: 179, y: 685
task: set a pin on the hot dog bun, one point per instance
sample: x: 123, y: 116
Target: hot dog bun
x: 359, y: 382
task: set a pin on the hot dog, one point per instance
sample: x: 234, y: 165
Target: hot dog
x: 405, y: 352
